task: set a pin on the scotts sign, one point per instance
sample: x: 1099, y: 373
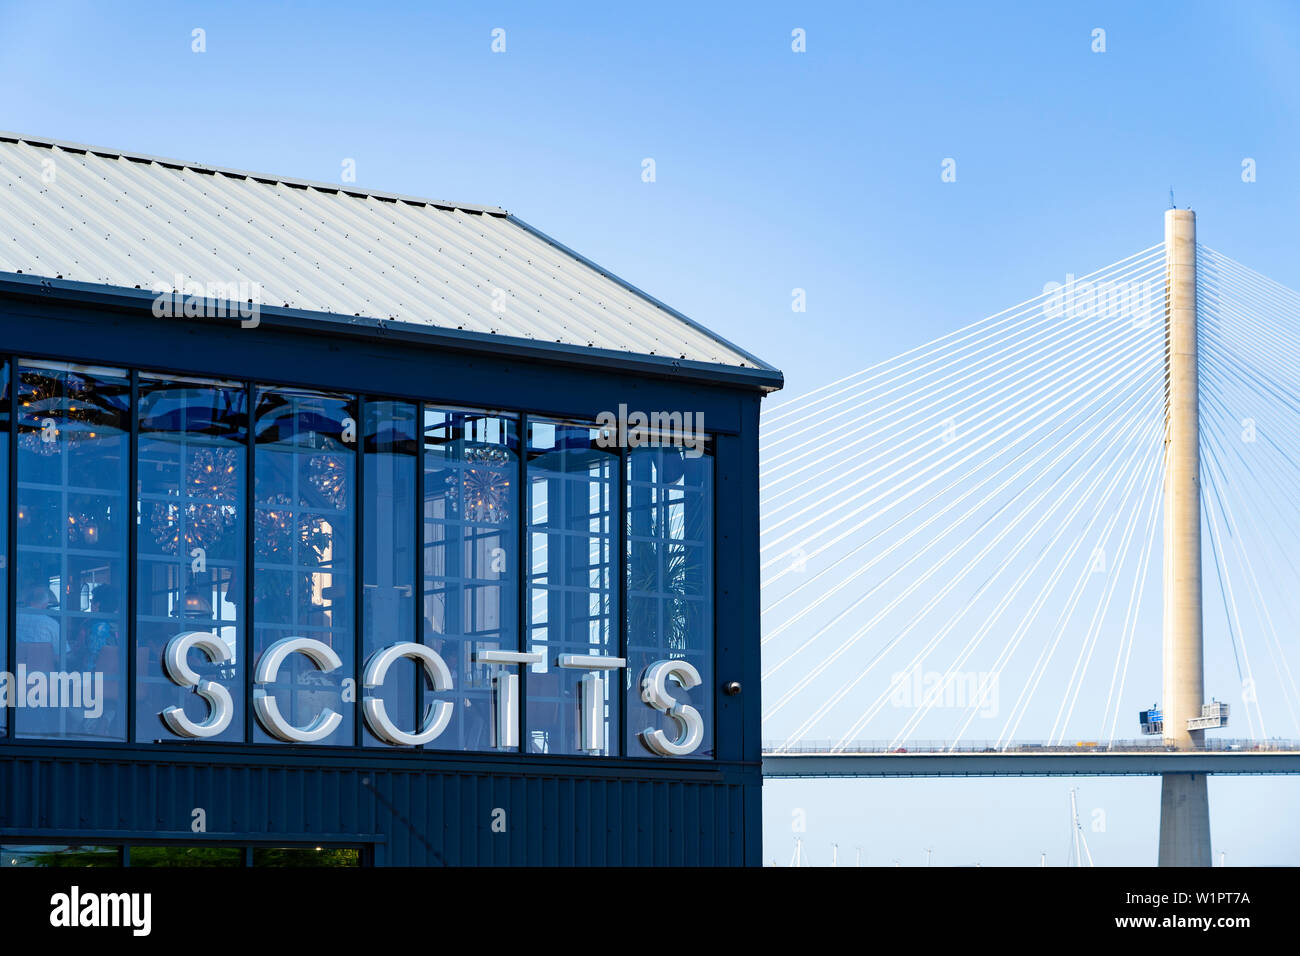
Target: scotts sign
x: 688, y: 723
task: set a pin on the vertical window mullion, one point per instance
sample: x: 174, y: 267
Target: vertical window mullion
x: 620, y: 563
x: 418, y: 596
x: 129, y: 630
x: 11, y: 535
x: 250, y: 561
x: 711, y: 592
x: 358, y: 566
x: 523, y: 614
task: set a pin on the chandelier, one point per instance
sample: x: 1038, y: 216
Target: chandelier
x: 211, y: 474
x: 329, y: 476
x: 83, y: 526
x: 49, y: 403
x: 278, y: 526
x: 483, y: 485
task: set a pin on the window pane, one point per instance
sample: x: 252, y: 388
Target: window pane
x: 48, y: 855
x: 572, y: 591
x: 305, y: 547
x: 71, y: 513
x: 187, y: 856
x: 192, y: 474
x: 471, y: 514
x: 306, y: 856
x: 4, y: 531
x: 389, y: 612
x: 669, y: 584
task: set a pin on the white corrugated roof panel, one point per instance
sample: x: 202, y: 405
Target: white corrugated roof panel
x: 104, y: 217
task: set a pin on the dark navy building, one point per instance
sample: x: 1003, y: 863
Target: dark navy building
x: 349, y: 528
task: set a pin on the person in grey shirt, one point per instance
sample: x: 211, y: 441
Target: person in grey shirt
x: 35, y: 627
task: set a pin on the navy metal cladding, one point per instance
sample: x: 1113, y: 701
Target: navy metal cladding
x: 408, y: 817
x: 416, y: 809
x: 369, y: 359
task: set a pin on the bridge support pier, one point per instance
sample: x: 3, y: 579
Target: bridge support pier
x: 1184, y: 801
x: 1184, y: 820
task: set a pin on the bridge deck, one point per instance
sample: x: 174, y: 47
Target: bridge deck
x: 1107, y: 763
x: 1029, y: 762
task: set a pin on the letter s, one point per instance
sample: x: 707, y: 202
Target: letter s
x: 654, y: 691
x: 221, y: 706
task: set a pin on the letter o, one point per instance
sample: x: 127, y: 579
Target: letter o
x: 268, y: 669
x: 436, y: 716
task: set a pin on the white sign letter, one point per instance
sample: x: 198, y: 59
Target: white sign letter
x: 654, y: 691
x: 592, y: 693
x: 268, y: 669
x: 436, y: 716
x: 221, y: 707
x: 505, y: 718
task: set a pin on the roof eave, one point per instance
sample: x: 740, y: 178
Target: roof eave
x: 748, y: 356
x: 761, y: 377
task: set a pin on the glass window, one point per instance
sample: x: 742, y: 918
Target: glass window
x: 471, y: 514
x: 4, y: 533
x: 304, y: 547
x: 572, y: 590
x: 306, y: 856
x: 72, y: 519
x: 193, y: 453
x: 60, y: 855
x: 194, y: 855
x: 669, y: 583
x: 389, y: 543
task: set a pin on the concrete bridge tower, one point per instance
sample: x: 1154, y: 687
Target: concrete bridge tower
x: 1184, y: 798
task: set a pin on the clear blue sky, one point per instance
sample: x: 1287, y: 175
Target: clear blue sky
x: 774, y: 170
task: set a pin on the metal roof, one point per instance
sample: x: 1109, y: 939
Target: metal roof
x: 108, y: 218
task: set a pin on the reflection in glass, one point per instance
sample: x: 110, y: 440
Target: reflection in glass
x: 471, y: 515
x: 192, y: 474
x: 72, y: 523
x: 4, y: 530
x: 669, y: 583
x: 23, y: 854
x: 389, y: 595
x: 306, y: 856
x: 304, y: 545
x: 572, y: 591
x: 197, y: 855
x: 452, y: 476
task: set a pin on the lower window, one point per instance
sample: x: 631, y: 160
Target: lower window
x: 194, y: 855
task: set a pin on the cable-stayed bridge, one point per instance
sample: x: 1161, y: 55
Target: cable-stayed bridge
x: 1060, y: 541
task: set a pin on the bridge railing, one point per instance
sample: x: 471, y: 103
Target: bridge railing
x: 1026, y: 747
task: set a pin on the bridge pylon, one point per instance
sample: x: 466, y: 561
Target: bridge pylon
x: 1184, y: 797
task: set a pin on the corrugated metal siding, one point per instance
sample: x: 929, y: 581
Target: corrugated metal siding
x: 413, y: 818
x: 132, y: 222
